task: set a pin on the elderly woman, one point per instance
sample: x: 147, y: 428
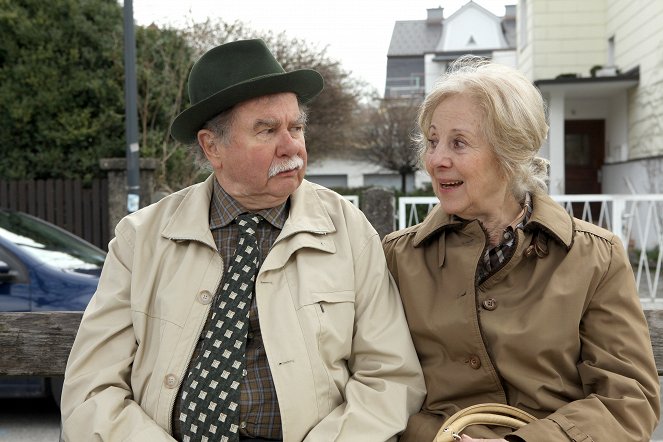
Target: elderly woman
x: 508, y: 298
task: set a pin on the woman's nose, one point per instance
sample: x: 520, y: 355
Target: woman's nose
x: 439, y: 158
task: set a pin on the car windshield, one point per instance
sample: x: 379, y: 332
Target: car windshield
x: 50, y: 244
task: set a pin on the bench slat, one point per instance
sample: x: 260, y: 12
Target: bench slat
x: 36, y: 343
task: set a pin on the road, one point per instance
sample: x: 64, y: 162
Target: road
x: 29, y: 420
x: 38, y: 420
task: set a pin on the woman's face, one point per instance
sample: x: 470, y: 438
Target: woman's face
x: 464, y: 171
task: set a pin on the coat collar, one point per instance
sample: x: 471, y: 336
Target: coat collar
x: 307, y: 213
x: 553, y: 219
x: 190, y: 221
x: 547, y: 215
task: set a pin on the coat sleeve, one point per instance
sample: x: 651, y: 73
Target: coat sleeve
x: 386, y: 384
x: 97, y: 399
x: 616, y: 366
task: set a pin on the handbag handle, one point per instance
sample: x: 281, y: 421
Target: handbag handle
x: 482, y: 414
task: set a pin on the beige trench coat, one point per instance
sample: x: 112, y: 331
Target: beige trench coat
x: 561, y: 335
x: 342, y: 359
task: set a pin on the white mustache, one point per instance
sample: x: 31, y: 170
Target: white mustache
x: 294, y: 162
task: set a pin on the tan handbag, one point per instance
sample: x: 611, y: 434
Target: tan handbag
x: 482, y: 414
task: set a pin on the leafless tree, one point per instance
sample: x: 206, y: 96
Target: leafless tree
x: 387, y: 136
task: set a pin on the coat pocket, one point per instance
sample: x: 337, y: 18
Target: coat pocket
x: 332, y: 314
x: 329, y: 318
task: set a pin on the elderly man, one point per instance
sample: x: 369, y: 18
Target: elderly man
x: 254, y: 305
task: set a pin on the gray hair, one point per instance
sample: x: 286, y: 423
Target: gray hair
x: 221, y: 126
x: 514, y: 120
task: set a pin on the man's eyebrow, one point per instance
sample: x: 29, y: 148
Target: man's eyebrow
x: 267, y: 122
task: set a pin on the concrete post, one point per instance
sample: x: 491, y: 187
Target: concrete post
x: 556, y: 142
x: 116, y: 170
x: 377, y: 203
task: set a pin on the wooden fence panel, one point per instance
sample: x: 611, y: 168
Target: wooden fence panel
x: 40, y: 199
x: 79, y: 209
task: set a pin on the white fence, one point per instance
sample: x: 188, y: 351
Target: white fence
x: 354, y: 199
x: 636, y: 219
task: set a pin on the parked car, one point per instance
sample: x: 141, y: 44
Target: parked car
x: 43, y: 268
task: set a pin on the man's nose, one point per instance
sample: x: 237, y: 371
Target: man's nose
x: 288, y: 145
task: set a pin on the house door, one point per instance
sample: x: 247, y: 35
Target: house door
x: 584, y: 142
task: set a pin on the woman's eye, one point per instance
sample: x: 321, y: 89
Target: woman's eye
x: 432, y: 143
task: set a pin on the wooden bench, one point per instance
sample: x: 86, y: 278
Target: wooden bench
x: 38, y: 344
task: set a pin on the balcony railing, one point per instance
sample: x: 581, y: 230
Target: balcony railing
x: 405, y: 87
x: 636, y: 219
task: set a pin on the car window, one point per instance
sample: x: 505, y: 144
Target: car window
x: 50, y: 244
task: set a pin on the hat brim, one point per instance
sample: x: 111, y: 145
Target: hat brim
x: 305, y: 83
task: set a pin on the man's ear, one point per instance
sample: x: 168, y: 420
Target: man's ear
x: 211, y: 146
x: 208, y: 143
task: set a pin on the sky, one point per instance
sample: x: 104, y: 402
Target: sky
x: 355, y: 32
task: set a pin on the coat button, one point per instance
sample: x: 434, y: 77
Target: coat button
x: 474, y: 362
x: 205, y: 297
x: 170, y: 381
x: 489, y: 304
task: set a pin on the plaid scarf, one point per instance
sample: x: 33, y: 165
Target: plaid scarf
x: 494, y: 258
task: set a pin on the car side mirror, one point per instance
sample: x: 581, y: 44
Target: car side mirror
x: 6, y: 273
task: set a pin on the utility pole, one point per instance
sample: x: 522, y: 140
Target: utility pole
x: 130, y: 109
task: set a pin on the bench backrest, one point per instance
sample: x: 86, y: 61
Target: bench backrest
x: 38, y: 344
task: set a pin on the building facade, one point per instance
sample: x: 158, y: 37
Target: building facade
x: 345, y: 172
x: 599, y: 65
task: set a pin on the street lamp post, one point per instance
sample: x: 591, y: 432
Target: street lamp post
x: 131, y: 113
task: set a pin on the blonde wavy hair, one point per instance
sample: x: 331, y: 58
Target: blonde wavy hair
x: 513, y: 123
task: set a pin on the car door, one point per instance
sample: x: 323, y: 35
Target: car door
x: 14, y: 283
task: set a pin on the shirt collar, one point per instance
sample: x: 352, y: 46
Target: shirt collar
x: 224, y: 209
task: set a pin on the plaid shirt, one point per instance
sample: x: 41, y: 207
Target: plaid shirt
x: 259, y: 408
x: 494, y: 259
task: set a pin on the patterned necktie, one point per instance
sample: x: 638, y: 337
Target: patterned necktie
x: 210, y: 396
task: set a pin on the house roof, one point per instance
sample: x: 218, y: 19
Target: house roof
x: 414, y: 37
x: 418, y: 37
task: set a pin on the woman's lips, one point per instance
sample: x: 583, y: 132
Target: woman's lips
x: 450, y: 184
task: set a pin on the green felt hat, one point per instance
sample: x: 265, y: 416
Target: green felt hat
x: 236, y: 72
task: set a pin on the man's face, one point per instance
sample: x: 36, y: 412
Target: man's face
x: 265, y: 159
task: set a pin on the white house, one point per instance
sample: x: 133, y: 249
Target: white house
x: 420, y: 50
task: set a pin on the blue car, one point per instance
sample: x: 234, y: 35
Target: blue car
x: 43, y: 268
